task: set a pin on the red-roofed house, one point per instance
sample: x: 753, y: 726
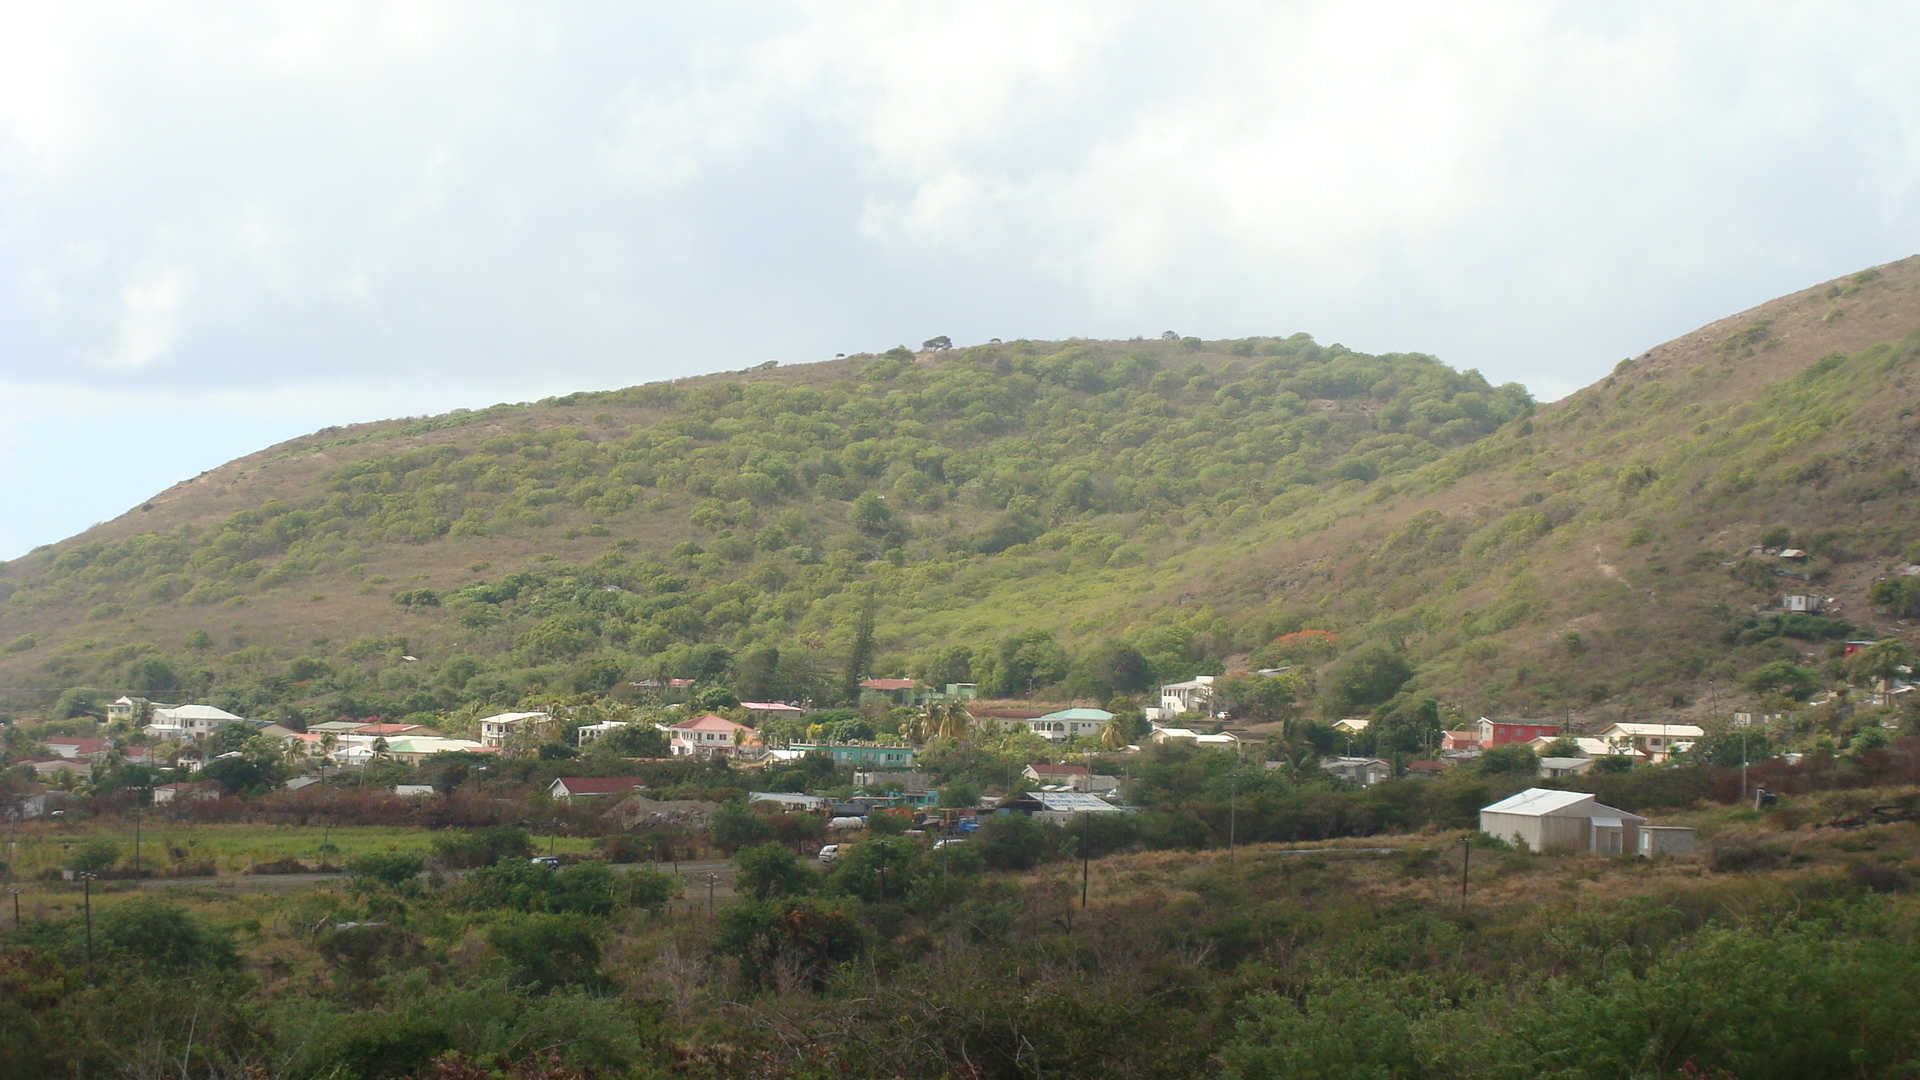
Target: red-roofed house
x: 1500, y: 732
x: 710, y: 735
x: 892, y: 691
x: 1460, y: 740
x: 583, y: 787
x: 390, y: 730
x: 72, y: 746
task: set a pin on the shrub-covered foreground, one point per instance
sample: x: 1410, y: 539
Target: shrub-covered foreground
x: 980, y: 960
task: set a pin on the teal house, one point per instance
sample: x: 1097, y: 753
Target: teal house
x: 862, y: 755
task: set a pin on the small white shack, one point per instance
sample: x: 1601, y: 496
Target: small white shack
x: 1562, y: 820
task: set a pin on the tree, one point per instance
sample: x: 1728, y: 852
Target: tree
x: 164, y: 936
x: 1117, y: 668
x: 1368, y: 676
x: 93, y: 856
x: 736, y: 826
x: 1785, y: 678
x: 770, y: 870
x: 199, y: 641
x: 756, y: 673
x: 935, y: 344
x: 548, y: 951
x: 237, y: 776
x: 395, y: 871
x: 871, y: 515
x: 861, y: 654
x: 1258, y: 697
x: 633, y: 740
x: 1513, y: 759
x: 1028, y: 660
x: 1882, y: 660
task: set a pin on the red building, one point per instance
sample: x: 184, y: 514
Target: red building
x: 1500, y: 732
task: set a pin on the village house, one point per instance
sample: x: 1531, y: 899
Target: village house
x: 1192, y: 696
x: 907, y: 783
x: 566, y: 788
x: 1054, y: 774
x: 73, y: 746
x: 1545, y: 820
x: 1551, y: 767
x: 185, y: 792
x: 902, y: 692
x: 1221, y: 739
x: 28, y: 803
x: 710, y: 736
x: 1461, y: 741
x: 860, y: 755
x: 49, y: 768
x: 187, y: 722
x: 792, y: 802
x: 1066, y: 723
x: 495, y: 730
x: 1655, y: 741
x: 1352, y: 725
x: 411, y: 791
x: 1363, y: 771
x: 770, y: 710
x: 588, y: 734
x: 1501, y: 732
x: 1058, y: 807
x: 125, y: 708
x: 1802, y: 602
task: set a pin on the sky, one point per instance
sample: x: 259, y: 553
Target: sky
x: 223, y: 225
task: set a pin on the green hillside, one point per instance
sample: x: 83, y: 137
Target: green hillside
x: 1058, y: 519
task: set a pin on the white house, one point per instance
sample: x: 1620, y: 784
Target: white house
x: 1066, y: 724
x: 1562, y: 820
x: 495, y: 730
x: 592, y: 733
x: 125, y: 708
x: 1654, y: 740
x: 1802, y: 602
x: 1352, y: 725
x: 1171, y: 734
x: 187, y: 722
x: 1363, y: 771
x: 1193, y: 696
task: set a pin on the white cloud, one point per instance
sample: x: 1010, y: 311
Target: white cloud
x: 368, y: 194
x: 149, y: 319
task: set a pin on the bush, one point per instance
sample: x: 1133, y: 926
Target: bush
x: 396, y: 871
x: 770, y: 870
x: 163, y: 936
x: 481, y: 847
x: 548, y: 951
x: 93, y: 856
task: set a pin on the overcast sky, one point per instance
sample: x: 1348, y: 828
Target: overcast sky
x: 222, y: 225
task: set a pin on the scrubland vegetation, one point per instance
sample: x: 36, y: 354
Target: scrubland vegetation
x: 1781, y: 949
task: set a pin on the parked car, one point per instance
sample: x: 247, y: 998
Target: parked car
x: 547, y: 861
x: 829, y: 853
x: 938, y: 844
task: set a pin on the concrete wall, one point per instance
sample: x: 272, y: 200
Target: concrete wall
x: 1538, y: 833
x: 1666, y: 840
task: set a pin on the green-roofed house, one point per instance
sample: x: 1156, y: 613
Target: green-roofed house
x: 1067, y: 724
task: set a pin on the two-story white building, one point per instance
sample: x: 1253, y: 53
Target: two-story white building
x: 1193, y: 696
x: 187, y: 722
x: 495, y: 730
x: 712, y: 736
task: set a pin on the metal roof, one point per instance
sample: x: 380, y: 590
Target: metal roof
x: 1079, y: 714
x: 1535, y: 802
x: 1071, y: 802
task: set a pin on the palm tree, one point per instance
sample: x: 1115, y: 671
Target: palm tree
x: 1113, y: 736
x: 949, y: 720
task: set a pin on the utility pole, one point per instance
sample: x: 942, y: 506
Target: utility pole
x: 1233, y: 808
x: 16, y: 908
x: 1466, y: 860
x: 86, y: 880
x: 1086, y: 855
x: 711, y: 878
